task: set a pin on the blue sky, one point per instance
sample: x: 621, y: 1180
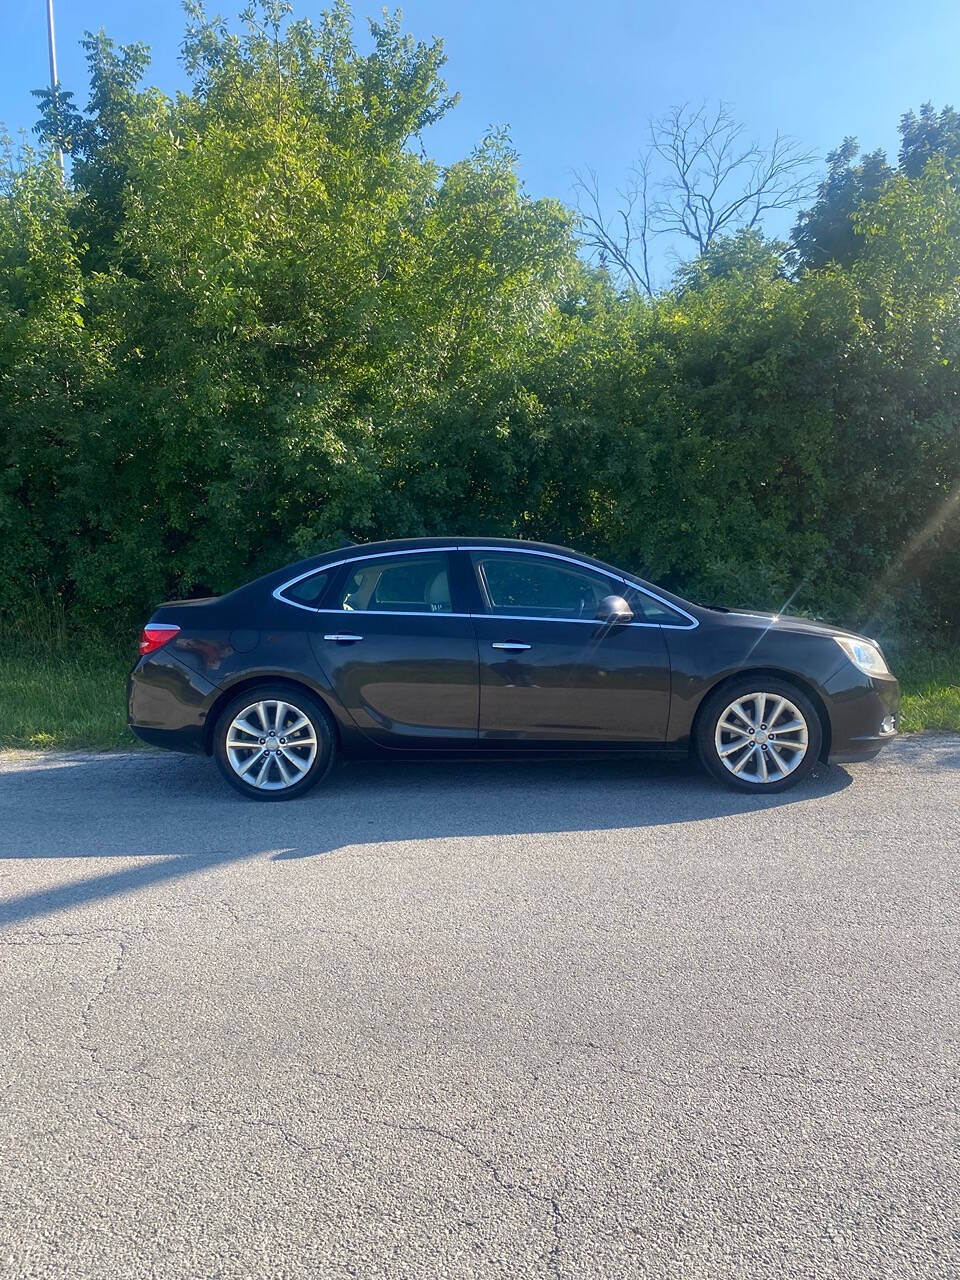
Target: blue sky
x: 576, y: 82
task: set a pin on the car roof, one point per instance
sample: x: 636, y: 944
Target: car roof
x: 364, y: 549
x: 337, y: 555
x: 454, y: 540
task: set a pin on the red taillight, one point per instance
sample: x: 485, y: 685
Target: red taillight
x: 155, y: 635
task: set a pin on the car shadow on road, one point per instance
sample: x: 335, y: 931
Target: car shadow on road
x: 177, y: 818
x: 390, y: 801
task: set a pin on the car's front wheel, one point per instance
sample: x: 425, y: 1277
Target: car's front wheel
x: 759, y: 734
x: 273, y: 743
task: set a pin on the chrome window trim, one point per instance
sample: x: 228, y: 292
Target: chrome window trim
x: 581, y: 564
x: 294, y: 603
x: 372, y: 555
x: 693, y: 622
x: 583, y: 622
x: 500, y: 617
x: 392, y: 613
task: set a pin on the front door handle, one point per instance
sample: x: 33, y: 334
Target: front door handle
x: 343, y: 637
x: 512, y: 646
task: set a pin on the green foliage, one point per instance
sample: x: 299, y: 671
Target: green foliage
x: 826, y: 233
x: 829, y: 232
x: 259, y: 317
x: 928, y: 135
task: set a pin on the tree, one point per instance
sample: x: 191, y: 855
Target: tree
x: 259, y: 317
x: 748, y: 254
x: 98, y: 139
x: 622, y: 247
x: 699, y: 179
x: 828, y: 231
x: 927, y: 134
x: 281, y: 306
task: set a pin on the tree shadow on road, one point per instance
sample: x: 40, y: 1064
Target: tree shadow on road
x: 177, y: 815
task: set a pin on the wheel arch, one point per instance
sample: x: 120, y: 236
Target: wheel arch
x: 253, y: 682
x: 776, y: 673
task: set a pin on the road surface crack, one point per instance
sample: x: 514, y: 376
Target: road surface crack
x: 56, y: 938
x: 500, y: 1180
x: 87, y: 1042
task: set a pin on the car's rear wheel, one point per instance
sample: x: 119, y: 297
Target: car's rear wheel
x: 759, y: 734
x: 273, y: 742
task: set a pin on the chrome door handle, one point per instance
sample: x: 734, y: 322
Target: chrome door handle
x: 512, y: 646
x: 345, y: 637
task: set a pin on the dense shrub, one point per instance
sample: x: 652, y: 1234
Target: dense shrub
x: 257, y: 318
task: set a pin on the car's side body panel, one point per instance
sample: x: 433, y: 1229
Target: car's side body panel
x: 723, y: 648
x: 576, y: 682
x: 406, y: 681
x: 733, y: 644
x: 215, y: 663
x: 857, y: 705
x: 433, y: 680
x: 167, y: 702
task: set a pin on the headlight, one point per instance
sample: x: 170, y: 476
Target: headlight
x: 864, y: 655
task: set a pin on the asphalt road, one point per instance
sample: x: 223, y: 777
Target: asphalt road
x: 553, y: 1020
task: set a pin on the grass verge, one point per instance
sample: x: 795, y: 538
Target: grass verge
x: 64, y: 701
x: 930, y: 682
x: 51, y: 697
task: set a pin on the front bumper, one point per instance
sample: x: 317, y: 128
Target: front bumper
x: 864, y: 715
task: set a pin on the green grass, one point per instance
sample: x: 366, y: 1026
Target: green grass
x: 64, y: 701
x: 930, y: 681
x: 52, y: 696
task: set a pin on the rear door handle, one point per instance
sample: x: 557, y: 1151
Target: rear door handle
x: 343, y: 637
x: 511, y: 645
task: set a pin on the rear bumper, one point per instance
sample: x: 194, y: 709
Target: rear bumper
x: 186, y: 740
x: 864, y: 715
x: 167, y: 703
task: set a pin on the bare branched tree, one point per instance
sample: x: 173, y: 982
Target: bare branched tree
x: 698, y: 178
x: 623, y: 248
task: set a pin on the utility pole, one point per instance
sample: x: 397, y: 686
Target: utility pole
x: 54, y: 81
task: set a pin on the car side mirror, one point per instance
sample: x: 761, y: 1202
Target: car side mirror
x: 614, y: 609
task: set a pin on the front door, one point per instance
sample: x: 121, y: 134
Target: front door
x: 400, y: 658
x: 550, y: 674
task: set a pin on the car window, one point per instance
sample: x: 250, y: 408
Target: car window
x: 309, y: 590
x: 537, y: 587
x: 401, y: 584
x: 648, y: 609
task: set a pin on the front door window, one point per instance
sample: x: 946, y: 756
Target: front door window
x: 529, y: 586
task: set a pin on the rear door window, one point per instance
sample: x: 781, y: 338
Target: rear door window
x: 397, y: 584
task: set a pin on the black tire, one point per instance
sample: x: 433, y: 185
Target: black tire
x: 717, y: 703
x: 319, y: 722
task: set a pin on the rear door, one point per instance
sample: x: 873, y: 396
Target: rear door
x: 550, y: 674
x: 399, y: 654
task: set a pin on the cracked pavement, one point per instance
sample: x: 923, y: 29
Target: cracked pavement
x: 488, y: 1020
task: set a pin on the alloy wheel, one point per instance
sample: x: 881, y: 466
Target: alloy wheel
x: 271, y: 744
x: 761, y: 737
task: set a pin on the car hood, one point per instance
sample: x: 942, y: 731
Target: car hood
x: 786, y: 622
